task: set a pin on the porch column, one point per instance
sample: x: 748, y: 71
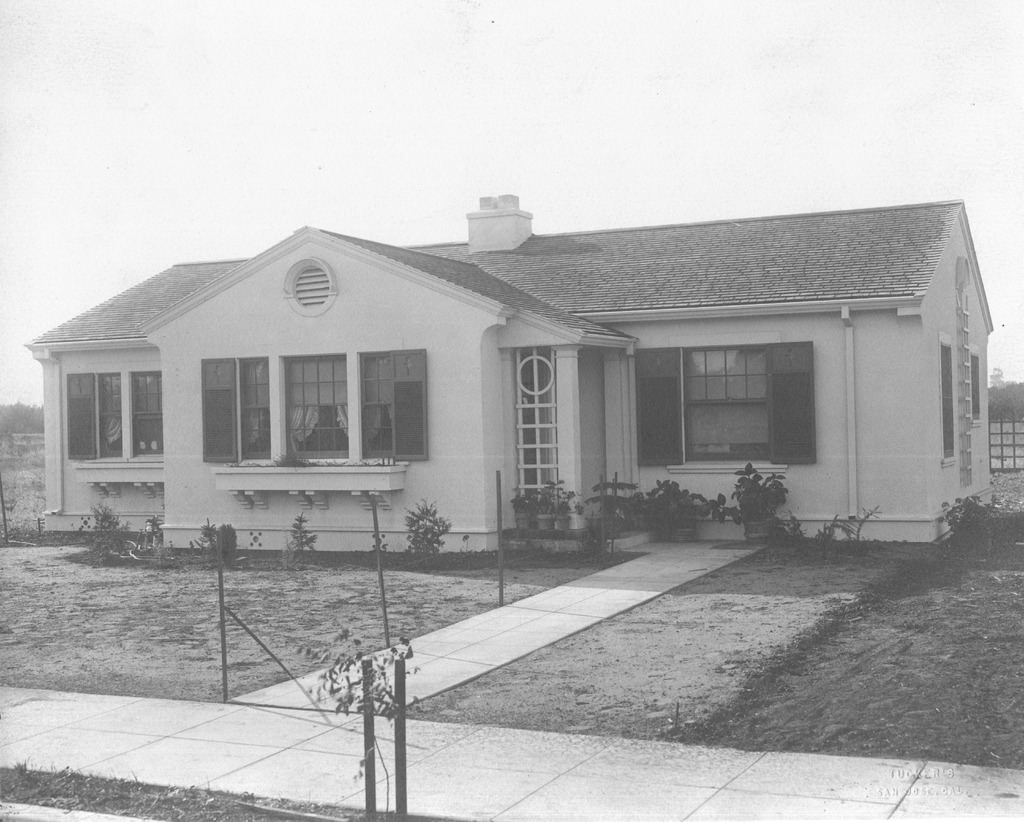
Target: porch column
x: 620, y: 415
x: 567, y: 393
x: 53, y: 429
x: 509, y: 440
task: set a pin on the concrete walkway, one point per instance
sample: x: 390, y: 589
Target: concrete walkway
x: 480, y: 772
x: 462, y: 652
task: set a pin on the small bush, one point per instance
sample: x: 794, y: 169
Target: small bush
x: 300, y: 539
x: 970, y: 523
x: 108, y: 533
x: 426, y: 528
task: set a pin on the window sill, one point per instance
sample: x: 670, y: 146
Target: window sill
x: 312, y: 478
x: 948, y: 462
x: 109, y: 477
x: 724, y: 468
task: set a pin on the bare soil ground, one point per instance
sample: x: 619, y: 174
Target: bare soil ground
x: 904, y: 652
x: 144, y: 631
x: 694, y: 648
x: 934, y: 668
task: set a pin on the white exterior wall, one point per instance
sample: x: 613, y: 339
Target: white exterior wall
x: 939, y: 322
x: 69, y: 495
x: 376, y: 310
x: 878, y: 445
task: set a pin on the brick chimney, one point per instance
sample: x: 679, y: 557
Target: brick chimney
x: 499, y: 225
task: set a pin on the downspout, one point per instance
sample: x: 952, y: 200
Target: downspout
x: 853, y: 499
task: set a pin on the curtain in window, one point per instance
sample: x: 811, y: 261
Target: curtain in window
x: 302, y: 422
x: 112, y: 430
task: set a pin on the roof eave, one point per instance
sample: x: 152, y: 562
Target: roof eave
x: 44, y: 348
x: 906, y: 305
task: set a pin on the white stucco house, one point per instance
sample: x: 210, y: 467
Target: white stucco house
x: 844, y: 349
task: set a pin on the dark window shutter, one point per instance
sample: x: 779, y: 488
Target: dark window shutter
x: 948, y: 426
x: 791, y: 402
x: 410, y: 409
x: 219, y: 437
x: 659, y: 406
x: 82, y: 416
x: 975, y: 387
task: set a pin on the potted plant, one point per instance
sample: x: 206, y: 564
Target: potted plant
x: 673, y: 512
x: 757, y: 497
x: 522, y: 503
x: 562, y: 500
x: 577, y: 522
x: 545, y: 501
x: 616, y: 512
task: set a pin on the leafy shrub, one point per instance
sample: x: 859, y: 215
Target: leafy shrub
x: 426, y: 528
x: 969, y: 520
x: 108, y: 533
x: 300, y: 539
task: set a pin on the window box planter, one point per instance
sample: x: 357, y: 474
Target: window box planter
x: 312, y: 478
x: 111, y: 478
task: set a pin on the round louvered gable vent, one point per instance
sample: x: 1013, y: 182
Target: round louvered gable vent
x: 310, y: 287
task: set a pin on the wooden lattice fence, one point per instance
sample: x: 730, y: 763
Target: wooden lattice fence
x: 1006, y: 445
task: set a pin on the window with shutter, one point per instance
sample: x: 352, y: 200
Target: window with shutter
x: 147, y: 414
x: 394, y: 399
x: 750, y: 403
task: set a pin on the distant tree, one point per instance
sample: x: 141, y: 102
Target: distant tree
x: 997, y: 380
x: 21, y: 419
x: 1006, y: 401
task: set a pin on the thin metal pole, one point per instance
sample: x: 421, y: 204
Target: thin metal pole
x: 602, y: 510
x: 501, y: 545
x: 401, y: 806
x: 3, y: 507
x: 223, y: 628
x: 615, y: 493
x: 369, y: 741
x: 380, y: 571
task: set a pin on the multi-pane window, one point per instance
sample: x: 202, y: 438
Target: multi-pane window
x: 147, y: 414
x: 536, y: 422
x: 94, y: 416
x: 749, y: 403
x: 109, y: 404
x: 254, y: 389
x: 726, y: 394
x: 317, y: 399
x: 394, y: 399
x: 236, y: 406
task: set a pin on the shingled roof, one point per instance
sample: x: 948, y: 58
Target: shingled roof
x: 122, y: 317
x: 842, y: 255
x: 473, y: 278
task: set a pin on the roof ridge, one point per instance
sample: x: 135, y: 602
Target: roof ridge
x: 720, y: 221
x: 210, y: 262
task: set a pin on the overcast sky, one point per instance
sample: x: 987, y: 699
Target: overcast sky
x: 137, y: 134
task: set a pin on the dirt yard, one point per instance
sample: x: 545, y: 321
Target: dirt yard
x: 932, y: 669
x: 150, y: 632
x: 694, y: 647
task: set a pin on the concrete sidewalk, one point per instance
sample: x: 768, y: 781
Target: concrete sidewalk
x: 478, y: 772
x: 269, y: 746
